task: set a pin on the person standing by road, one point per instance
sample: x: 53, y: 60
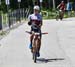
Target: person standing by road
x: 69, y: 8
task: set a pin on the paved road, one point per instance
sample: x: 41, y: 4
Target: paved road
x: 57, y: 46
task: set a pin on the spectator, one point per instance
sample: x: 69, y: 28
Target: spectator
x: 69, y: 8
x: 74, y: 6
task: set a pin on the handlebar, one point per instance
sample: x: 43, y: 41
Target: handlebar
x: 36, y: 33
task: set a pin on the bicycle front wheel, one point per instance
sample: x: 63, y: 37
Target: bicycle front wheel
x: 34, y: 57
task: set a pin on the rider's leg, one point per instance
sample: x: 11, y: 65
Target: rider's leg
x: 39, y: 42
x: 34, y: 43
x: 31, y: 38
x: 62, y: 14
x: 38, y: 46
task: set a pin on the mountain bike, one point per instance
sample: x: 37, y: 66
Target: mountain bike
x: 35, y: 44
x: 59, y: 14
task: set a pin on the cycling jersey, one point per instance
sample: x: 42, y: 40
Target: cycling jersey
x: 62, y: 6
x: 36, y: 20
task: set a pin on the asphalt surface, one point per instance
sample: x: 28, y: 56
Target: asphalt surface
x: 57, y: 50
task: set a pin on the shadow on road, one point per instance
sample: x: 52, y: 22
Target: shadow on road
x: 43, y: 60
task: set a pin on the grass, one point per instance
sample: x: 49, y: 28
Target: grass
x: 4, y: 18
x: 2, y: 33
x: 47, y: 14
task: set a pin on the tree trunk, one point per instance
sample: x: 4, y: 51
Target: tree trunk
x: 53, y: 4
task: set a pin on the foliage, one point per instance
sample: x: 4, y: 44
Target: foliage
x: 47, y: 4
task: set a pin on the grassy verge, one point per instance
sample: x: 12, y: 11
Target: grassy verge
x: 47, y: 14
x: 2, y: 33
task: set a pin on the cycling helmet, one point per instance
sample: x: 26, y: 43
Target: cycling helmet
x: 36, y: 8
x: 62, y: 1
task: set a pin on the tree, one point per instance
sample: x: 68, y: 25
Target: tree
x: 54, y: 4
x: 48, y: 4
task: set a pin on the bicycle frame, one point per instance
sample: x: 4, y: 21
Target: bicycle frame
x: 59, y: 15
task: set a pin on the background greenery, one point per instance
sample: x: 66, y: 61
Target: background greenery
x: 47, y: 4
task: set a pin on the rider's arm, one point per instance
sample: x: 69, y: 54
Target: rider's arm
x: 41, y: 22
x: 29, y: 20
x: 58, y: 6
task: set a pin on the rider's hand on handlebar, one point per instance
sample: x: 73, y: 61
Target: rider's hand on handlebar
x: 40, y: 25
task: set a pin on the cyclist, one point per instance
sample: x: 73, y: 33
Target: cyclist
x: 61, y: 7
x: 35, y: 20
